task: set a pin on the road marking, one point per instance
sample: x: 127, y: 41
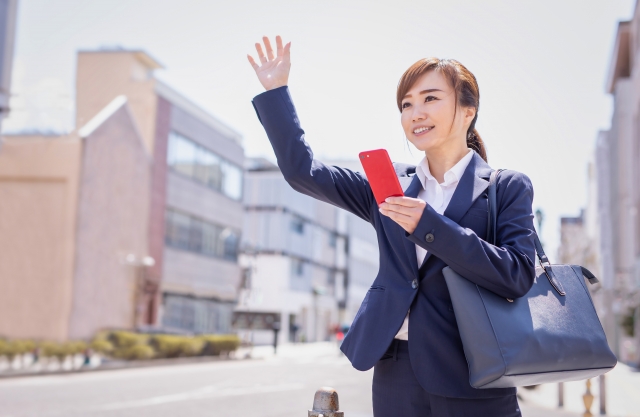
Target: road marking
x: 200, y: 393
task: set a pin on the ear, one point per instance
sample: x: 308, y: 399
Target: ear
x: 469, y: 113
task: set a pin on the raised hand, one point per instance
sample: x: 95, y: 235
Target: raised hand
x: 273, y: 71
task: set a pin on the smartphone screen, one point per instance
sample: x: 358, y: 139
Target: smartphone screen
x: 381, y: 175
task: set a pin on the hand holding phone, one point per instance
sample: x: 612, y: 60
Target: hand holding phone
x: 381, y: 174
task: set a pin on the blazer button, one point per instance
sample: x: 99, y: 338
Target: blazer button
x: 429, y: 238
x: 414, y: 284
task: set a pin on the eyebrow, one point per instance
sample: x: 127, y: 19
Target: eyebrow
x: 431, y: 90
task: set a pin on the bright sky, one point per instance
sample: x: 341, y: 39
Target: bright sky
x: 541, y: 66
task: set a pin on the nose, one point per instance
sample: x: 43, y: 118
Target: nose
x: 418, y: 114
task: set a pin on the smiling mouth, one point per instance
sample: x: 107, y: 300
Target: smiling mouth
x: 422, y: 130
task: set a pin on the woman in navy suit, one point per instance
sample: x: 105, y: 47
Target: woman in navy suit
x: 406, y: 328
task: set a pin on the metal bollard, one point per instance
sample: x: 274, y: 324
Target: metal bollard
x: 325, y: 403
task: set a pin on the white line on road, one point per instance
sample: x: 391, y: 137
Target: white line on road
x: 200, y: 393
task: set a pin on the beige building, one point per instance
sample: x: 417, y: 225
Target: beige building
x: 131, y: 220
x: 72, y: 208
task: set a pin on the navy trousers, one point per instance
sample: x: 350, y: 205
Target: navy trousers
x: 397, y: 393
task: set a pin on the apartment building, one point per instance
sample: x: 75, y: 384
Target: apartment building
x: 306, y: 261
x: 615, y: 177
x: 148, y: 217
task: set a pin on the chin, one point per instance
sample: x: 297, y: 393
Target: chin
x: 423, y: 145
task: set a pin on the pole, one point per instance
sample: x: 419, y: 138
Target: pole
x: 603, y: 394
x: 560, y: 394
x: 326, y: 404
x: 276, y: 329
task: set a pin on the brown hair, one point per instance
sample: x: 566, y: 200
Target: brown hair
x: 464, y: 85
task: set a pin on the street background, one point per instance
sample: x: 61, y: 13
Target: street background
x: 152, y: 256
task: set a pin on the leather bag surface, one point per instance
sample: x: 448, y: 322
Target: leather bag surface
x: 552, y: 334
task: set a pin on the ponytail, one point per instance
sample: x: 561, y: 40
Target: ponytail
x: 474, y: 141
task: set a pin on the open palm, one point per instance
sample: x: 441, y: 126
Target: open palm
x: 273, y: 71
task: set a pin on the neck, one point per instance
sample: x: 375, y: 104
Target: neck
x: 442, y: 160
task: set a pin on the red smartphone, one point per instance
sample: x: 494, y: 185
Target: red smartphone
x: 381, y: 175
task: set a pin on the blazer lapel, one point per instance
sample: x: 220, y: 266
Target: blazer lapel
x: 473, y: 183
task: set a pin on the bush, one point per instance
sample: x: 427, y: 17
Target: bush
x: 13, y: 348
x: 134, y: 352
x: 129, y: 345
x: 101, y: 346
x: 214, y: 344
x: 169, y: 346
x: 123, y: 339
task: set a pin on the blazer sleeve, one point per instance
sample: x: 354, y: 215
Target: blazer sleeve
x: 506, y: 269
x: 338, y: 186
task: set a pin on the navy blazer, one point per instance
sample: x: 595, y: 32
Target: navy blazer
x: 454, y: 239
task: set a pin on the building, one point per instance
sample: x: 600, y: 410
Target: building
x: 73, y: 207
x: 306, y: 261
x: 148, y: 217
x: 615, y: 175
x: 8, y: 10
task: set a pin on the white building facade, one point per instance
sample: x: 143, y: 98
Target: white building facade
x: 305, y: 260
x: 615, y: 202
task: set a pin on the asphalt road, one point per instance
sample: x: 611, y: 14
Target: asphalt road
x: 281, y: 386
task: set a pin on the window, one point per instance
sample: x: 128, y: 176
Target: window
x: 232, y: 181
x: 204, y: 166
x: 333, y: 238
x: 229, y: 240
x: 297, y: 225
x: 297, y: 267
x: 182, y: 155
x: 177, y: 230
x: 199, y: 236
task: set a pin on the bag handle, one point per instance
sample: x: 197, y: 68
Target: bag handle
x: 492, y: 221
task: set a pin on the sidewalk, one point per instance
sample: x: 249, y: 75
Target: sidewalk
x: 623, y: 395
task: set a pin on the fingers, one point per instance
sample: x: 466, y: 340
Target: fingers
x: 279, y: 48
x: 286, y: 57
x: 405, y: 201
x: 396, y: 215
x: 263, y: 59
x: 253, y: 63
x: 267, y: 45
x: 407, y: 210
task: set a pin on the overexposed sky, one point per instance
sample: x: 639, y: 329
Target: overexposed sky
x: 541, y: 66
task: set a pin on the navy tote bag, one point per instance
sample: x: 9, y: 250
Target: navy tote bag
x: 552, y: 334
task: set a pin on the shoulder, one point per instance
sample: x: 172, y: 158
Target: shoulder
x: 512, y: 182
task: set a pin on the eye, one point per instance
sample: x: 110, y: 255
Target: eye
x: 430, y: 98
x: 405, y: 105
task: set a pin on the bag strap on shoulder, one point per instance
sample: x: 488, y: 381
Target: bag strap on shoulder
x: 492, y: 219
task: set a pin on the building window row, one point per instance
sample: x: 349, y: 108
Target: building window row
x: 190, y: 233
x: 199, y: 163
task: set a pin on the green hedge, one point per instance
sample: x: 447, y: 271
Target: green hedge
x: 128, y: 345
x: 215, y: 344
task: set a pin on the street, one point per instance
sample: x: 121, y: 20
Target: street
x: 277, y: 386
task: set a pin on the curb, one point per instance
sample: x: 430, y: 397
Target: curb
x: 117, y: 365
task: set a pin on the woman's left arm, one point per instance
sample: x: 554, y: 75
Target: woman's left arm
x: 507, y: 269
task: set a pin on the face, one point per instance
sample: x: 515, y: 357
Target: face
x: 427, y: 112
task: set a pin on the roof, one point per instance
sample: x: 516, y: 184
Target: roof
x: 620, y: 65
x: 97, y: 120
x: 142, y: 55
x: 190, y: 107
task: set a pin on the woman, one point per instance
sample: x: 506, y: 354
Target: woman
x: 406, y: 327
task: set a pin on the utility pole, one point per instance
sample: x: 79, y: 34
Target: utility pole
x: 8, y: 9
